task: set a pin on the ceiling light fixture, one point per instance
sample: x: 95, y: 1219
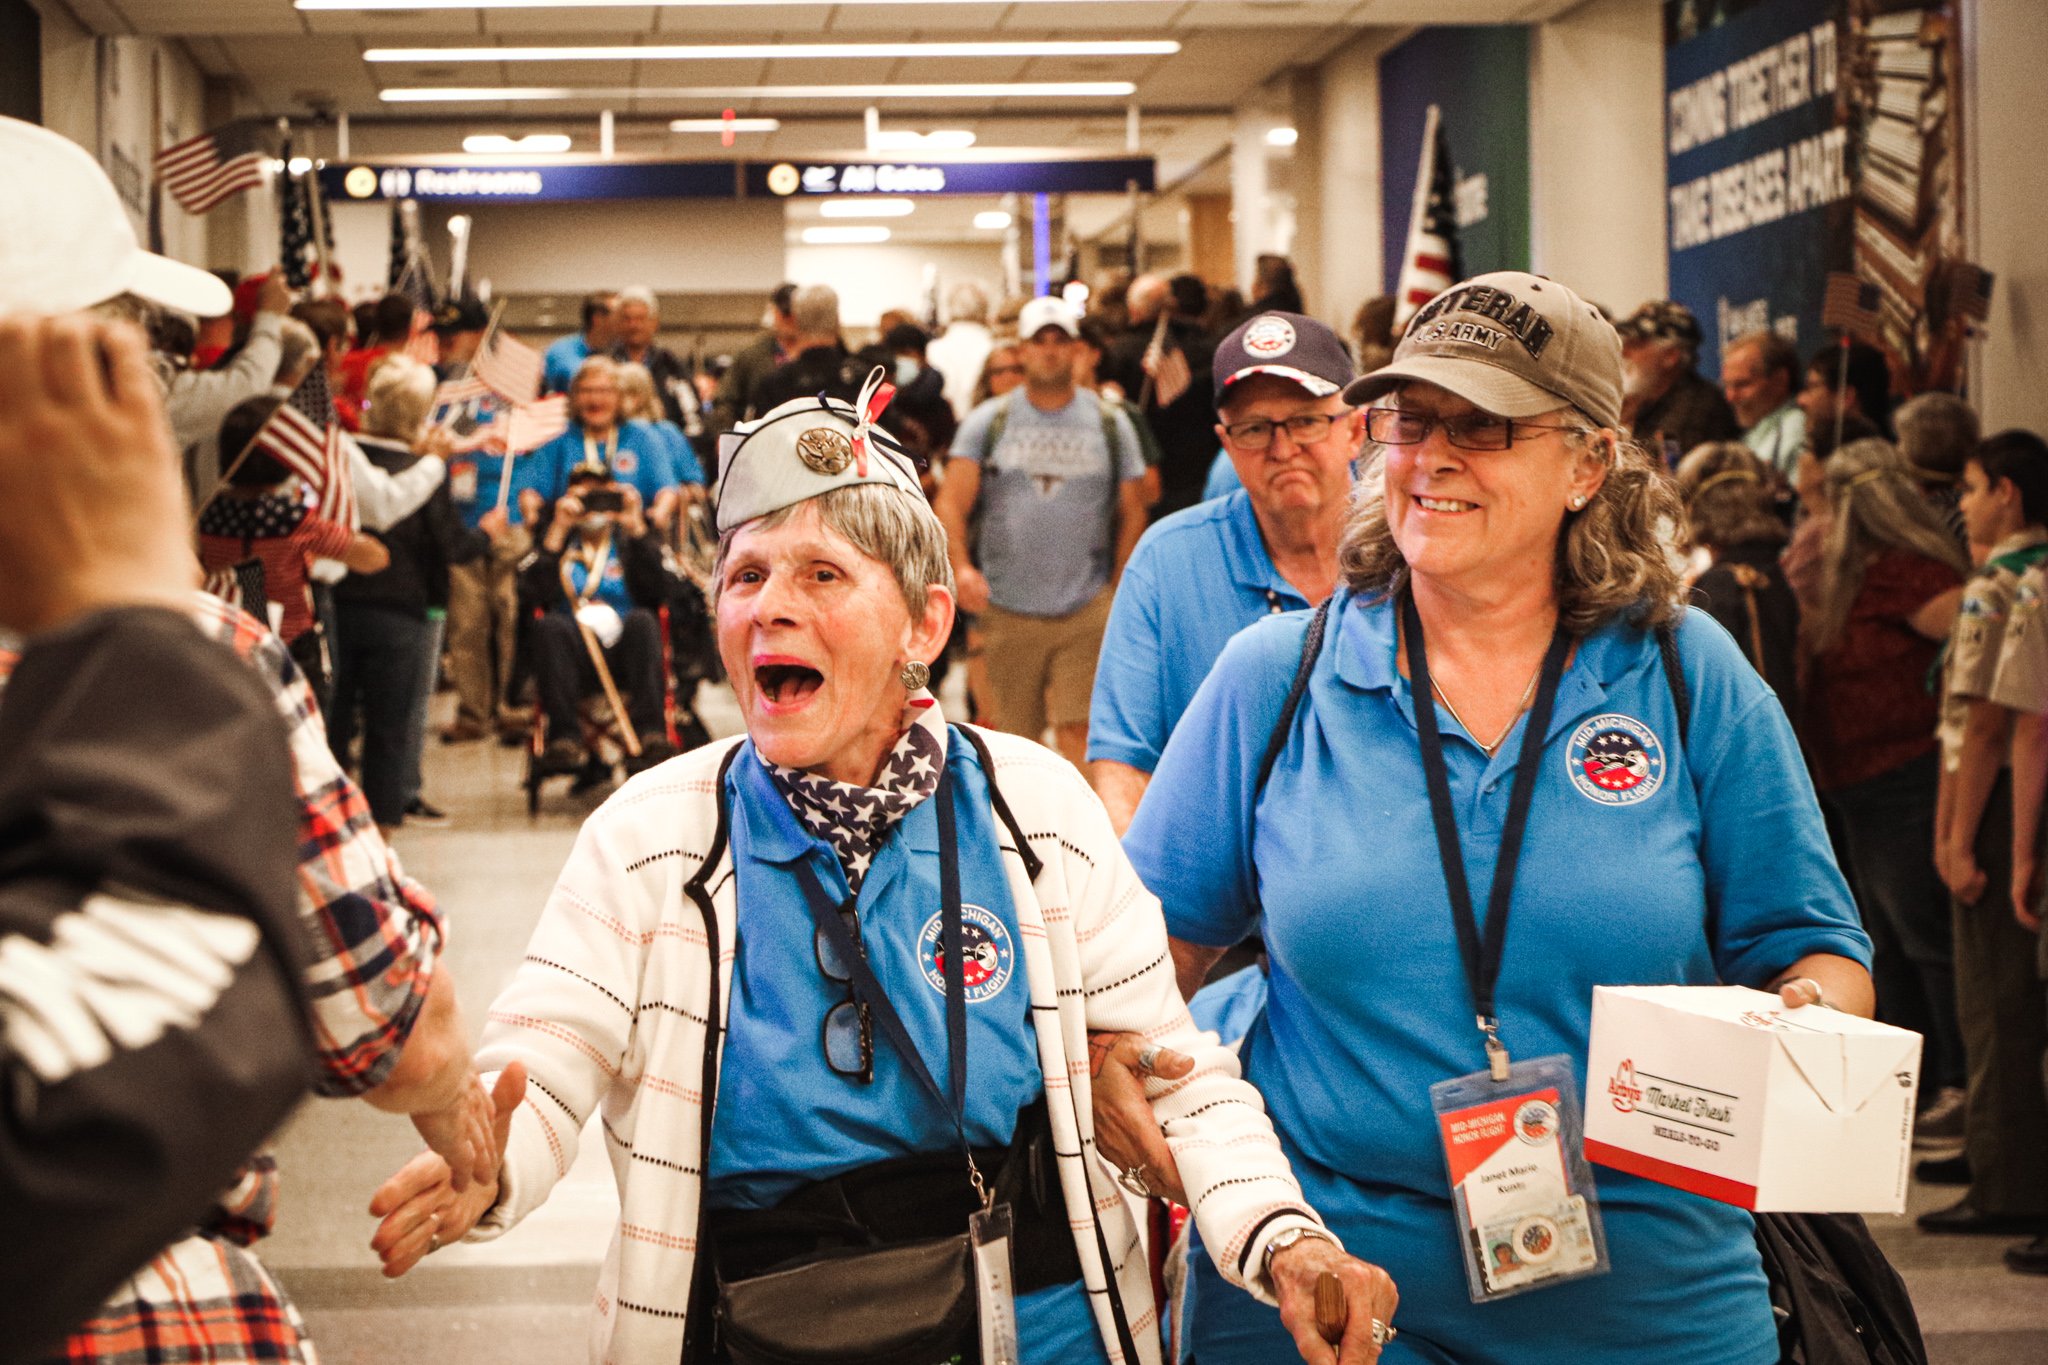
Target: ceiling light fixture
x: 689, y: 52
x: 865, y: 208
x: 720, y: 125
x: 937, y: 140
x: 1282, y: 137
x: 496, y: 144
x: 375, y: 5
x: 459, y: 94
x: 992, y: 220
x: 844, y: 236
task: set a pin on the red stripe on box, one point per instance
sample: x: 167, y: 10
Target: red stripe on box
x: 1670, y: 1173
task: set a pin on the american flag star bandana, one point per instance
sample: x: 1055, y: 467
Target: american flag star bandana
x: 854, y: 819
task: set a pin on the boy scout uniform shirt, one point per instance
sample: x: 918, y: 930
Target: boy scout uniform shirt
x: 2021, y: 679
x: 1975, y: 644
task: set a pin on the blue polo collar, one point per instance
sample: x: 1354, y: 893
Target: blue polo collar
x: 1367, y: 638
x: 1244, y: 546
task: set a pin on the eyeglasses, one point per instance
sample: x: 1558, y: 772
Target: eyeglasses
x: 1006, y: 369
x: 848, y: 1034
x: 1473, y: 431
x: 1257, y: 434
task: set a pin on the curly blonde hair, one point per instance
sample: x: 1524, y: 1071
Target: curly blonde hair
x: 1613, y: 555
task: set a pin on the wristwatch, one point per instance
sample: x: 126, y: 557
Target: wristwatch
x: 1285, y: 1240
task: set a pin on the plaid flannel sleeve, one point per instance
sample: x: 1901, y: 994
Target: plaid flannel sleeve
x: 375, y: 932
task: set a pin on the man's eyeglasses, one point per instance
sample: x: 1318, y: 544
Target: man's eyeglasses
x: 848, y: 1034
x: 1472, y: 431
x: 1005, y: 369
x: 1257, y: 434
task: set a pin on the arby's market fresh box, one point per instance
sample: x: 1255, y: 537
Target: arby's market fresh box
x: 1723, y: 1091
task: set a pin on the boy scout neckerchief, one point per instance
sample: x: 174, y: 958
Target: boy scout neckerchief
x: 854, y: 819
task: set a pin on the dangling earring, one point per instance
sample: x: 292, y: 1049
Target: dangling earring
x: 914, y: 676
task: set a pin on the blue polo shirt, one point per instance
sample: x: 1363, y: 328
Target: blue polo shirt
x: 683, y: 463
x: 635, y: 454
x: 1222, y: 476
x: 1196, y: 579
x: 1645, y: 862
x: 561, y: 361
x: 784, y: 1118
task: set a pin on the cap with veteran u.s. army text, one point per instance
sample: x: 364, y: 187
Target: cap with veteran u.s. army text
x: 1515, y: 344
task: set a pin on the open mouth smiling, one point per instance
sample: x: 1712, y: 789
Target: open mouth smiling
x: 785, y: 682
x: 1445, y: 505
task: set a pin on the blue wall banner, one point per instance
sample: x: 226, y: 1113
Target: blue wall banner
x: 1478, y: 77
x: 556, y: 182
x: 1809, y: 136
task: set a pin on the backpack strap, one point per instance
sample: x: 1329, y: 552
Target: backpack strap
x: 1311, y: 646
x: 997, y: 425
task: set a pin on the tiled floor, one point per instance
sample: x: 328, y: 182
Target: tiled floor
x: 526, y: 1298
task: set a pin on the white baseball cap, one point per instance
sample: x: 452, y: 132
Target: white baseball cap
x: 65, y: 240
x: 1048, y: 310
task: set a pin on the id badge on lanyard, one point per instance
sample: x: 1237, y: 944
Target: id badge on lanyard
x: 1521, y: 1190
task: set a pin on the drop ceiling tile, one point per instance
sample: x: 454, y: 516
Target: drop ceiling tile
x: 609, y: 23
x: 1129, y: 19
x: 191, y: 17
x: 402, y: 28
x: 706, y: 23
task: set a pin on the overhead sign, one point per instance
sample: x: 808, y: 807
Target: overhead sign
x: 557, y: 182
x: 1105, y: 175
x: 551, y: 183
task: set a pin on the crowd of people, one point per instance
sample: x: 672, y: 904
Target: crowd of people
x: 1279, y: 645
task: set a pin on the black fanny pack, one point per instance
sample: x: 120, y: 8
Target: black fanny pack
x: 870, y: 1268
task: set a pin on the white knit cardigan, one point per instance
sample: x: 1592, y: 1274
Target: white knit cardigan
x: 608, y: 1011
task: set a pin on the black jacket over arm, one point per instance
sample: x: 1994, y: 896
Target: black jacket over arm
x: 152, y: 1032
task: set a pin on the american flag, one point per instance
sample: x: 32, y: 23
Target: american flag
x: 509, y: 366
x: 295, y: 224
x: 1166, y: 365
x: 458, y: 405
x: 304, y: 437
x: 1431, y: 262
x: 205, y: 171
x: 1850, y: 305
x: 534, y: 424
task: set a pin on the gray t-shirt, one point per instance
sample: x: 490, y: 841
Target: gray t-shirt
x: 1048, y: 499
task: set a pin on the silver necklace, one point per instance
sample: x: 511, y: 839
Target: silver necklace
x: 1501, y: 738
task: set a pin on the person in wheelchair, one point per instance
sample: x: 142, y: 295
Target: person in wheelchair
x: 598, y: 581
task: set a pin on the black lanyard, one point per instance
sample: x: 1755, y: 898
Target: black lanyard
x: 870, y: 991
x: 1482, y: 955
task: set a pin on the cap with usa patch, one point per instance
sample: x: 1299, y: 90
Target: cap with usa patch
x: 1515, y: 344
x: 1287, y: 345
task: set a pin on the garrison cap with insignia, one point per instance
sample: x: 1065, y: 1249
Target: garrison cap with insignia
x: 808, y: 447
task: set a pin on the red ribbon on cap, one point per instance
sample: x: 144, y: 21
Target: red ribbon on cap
x: 874, y: 397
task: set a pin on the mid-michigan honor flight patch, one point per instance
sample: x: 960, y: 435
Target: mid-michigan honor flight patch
x: 1615, y: 760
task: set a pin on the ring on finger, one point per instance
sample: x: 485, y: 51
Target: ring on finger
x: 1383, y: 1332
x: 433, y: 1243
x: 1148, y: 1058
x: 1136, y: 1179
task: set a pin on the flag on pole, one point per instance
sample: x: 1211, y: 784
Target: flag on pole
x: 509, y: 366
x: 206, y: 171
x: 304, y: 437
x: 1166, y: 365
x: 1431, y: 262
x: 533, y: 425
x: 1850, y: 304
x: 295, y: 225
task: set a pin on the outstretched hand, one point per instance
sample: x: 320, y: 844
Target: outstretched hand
x: 421, y: 1207
x: 462, y: 1134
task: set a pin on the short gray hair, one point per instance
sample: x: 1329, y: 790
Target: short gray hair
x: 401, y: 395
x: 887, y: 525
x: 640, y: 294
x: 1937, y: 435
x: 816, y: 310
x: 296, y: 344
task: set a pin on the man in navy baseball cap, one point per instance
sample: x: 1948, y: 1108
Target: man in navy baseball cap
x: 1207, y: 571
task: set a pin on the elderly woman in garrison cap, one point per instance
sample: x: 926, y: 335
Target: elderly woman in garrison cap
x: 830, y: 986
